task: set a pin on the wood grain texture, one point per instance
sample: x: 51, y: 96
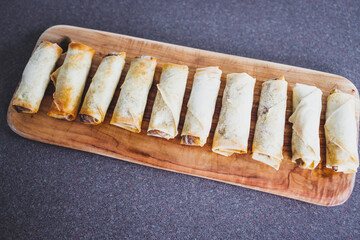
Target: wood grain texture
x: 320, y: 186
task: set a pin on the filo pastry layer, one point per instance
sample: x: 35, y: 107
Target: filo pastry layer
x: 305, y: 142
x: 232, y: 131
x: 269, y: 129
x: 341, y: 133
x: 201, y: 106
x: 165, y: 114
x: 69, y: 81
x: 130, y: 107
x: 36, y: 77
x: 102, y: 88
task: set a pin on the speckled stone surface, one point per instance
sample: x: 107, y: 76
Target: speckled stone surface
x: 49, y: 192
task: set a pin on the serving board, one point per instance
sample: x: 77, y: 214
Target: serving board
x: 321, y: 186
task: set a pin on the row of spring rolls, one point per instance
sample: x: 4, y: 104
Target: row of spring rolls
x: 232, y: 131
x: 340, y: 127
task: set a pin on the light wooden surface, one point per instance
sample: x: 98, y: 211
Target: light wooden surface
x: 320, y: 186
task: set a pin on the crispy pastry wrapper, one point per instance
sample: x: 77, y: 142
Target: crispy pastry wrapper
x: 69, y: 81
x: 305, y: 142
x: 232, y: 131
x: 102, y: 88
x: 269, y: 130
x: 36, y: 77
x: 201, y: 106
x: 130, y: 107
x: 165, y: 114
x: 341, y: 133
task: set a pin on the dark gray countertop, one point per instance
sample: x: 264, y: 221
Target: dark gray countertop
x: 49, y: 192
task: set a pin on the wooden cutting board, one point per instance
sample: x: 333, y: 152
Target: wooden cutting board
x: 320, y: 186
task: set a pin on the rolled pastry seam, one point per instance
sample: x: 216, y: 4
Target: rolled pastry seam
x: 130, y: 107
x: 201, y: 106
x: 69, y: 81
x: 36, y: 77
x: 165, y: 114
x: 305, y: 142
x: 232, y: 131
x: 341, y: 133
x: 269, y: 129
x: 102, y: 88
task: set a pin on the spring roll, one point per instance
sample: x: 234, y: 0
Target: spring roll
x: 130, y: 107
x: 36, y: 77
x: 165, y: 114
x: 102, y: 88
x: 305, y: 142
x: 269, y: 129
x: 201, y: 106
x: 69, y: 81
x: 341, y: 133
x: 232, y: 131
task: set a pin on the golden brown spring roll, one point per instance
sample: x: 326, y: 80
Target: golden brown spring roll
x: 201, y: 106
x: 341, y: 133
x: 165, y: 114
x: 102, y: 88
x: 36, y: 77
x: 269, y: 129
x: 232, y: 131
x: 69, y: 81
x: 305, y: 142
x: 130, y: 107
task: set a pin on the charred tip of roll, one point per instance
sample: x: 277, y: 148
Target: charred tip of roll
x: 20, y: 109
x: 112, y: 54
x: 70, y: 117
x: 188, y: 140
x: 299, y: 162
x: 88, y: 119
x: 158, y: 133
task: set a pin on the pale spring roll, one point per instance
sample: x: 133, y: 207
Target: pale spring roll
x: 102, y: 88
x: 201, y: 106
x: 130, y: 107
x: 341, y: 133
x: 232, y: 131
x: 36, y: 77
x: 269, y: 129
x: 165, y: 114
x: 305, y: 142
x: 69, y: 80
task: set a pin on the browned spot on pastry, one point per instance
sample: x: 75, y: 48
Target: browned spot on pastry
x: 264, y: 110
x: 222, y: 130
